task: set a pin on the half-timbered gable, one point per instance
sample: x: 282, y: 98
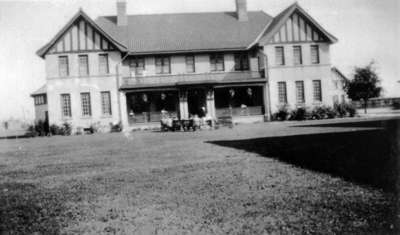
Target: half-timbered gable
x: 294, y: 25
x: 81, y: 34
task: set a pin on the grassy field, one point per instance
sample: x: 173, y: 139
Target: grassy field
x: 306, y: 177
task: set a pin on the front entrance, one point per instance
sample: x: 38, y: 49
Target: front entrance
x: 197, y: 102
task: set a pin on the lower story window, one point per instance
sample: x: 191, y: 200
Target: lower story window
x: 317, y: 93
x: 300, y: 92
x: 282, y: 96
x: 86, y: 107
x: 66, y: 105
x: 106, y: 103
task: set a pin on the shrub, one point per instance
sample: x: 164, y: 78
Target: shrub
x: 282, y: 113
x: 322, y: 112
x: 299, y: 114
x: 396, y: 105
x: 64, y: 129
x: 345, y: 109
x: 116, y: 127
x: 40, y: 128
x: 351, y: 110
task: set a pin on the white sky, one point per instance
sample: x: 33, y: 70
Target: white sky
x: 367, y: 30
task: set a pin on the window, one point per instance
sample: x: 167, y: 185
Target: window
x: 190, y: 65
x: 85, y: 101
x: 279, y: 56
x: 297, y: 55
x: 103, y: 64
x: 137, y: 66
x: 163, y: 65
x: 217, y: 62
x: 63, y: 68
x: 241, y: 61
x: 317, y: 90
x: 300, y: 92
x: 282, y: 92
x: 40, y: 99
x: 105, y: 103
x: 83, y: 65
x: 66, y: 105
x: 314, y: 54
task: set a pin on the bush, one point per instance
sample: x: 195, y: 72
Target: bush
x: 282, y: 114
x: 323, y: 112
x: 299, y: 114
x: 345, y: 109
x: 64, y: 129
x: 40, y: 128
x: 116, y: 127
x: 396, y: 105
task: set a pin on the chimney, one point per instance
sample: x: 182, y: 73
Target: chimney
x: 122, y: 19
x: 241, y: 10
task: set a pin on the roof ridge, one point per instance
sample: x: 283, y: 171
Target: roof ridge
x: 185, y: 13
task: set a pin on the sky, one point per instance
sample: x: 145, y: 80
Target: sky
x: 368, y: 30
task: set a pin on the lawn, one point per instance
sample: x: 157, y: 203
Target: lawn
x: 305, y: 177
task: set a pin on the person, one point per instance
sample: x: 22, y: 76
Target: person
x: 163, y: 101
x: 249, y: 100
x: 232, y: 98
x: 146, y: 107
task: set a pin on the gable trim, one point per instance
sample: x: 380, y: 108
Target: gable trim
x: 44, y: 50
x: 285, y: 15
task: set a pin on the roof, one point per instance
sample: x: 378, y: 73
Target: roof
x: 42, y: 90
x: 282, y: 17
x: 165, y: 33
x: 187, y: 32
x: 336, y: 70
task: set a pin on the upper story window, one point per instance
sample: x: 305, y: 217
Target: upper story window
x: 315, y: 54
x: 297, y: 55
x: 300, y: 92
x: 217, y: 62
x: 40, y: 99
x: 317, y: 93
x: 86, y: 106
x: 137, y: 65
x: 190, y: 64
x: 163, y: 65
x: 279, y: 56
x: 282, y: 95
x: 66, y: 105
x: 103, y: 64
x: 241, y: 61
x: 63, y: 67
x: 83, y: 65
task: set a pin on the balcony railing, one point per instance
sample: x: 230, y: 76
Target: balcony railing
x: 168, y: 79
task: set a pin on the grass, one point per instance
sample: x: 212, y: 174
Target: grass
x: 307, y: 177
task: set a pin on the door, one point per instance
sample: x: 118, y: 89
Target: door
x: 197, y: 101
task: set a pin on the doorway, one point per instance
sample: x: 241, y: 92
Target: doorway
x: 197, y: 100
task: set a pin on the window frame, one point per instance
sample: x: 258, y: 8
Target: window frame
x: 60, y: 64
x: 317, y: 93
x: 284, y: 95
x: 40, y: 99
x: 315, y: 60
x: 66, y: 107
x: 282, y: 62
x: 160, y: 67
x: 215, y: 60
x: 241, y: 61
x: 302, y: 99
x: 134, y: 65
x: 106, y: 111
x: 300, y: 58
x: 190, y: 68
x: 86, y: 106
x: 80, y: 65
x: 107, y: 68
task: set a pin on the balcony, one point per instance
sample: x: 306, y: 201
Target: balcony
x: 191, y: 79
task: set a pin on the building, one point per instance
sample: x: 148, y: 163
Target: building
x: 127, y: 68
x: 339, y: 82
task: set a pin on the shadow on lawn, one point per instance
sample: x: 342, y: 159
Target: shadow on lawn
x: 365, y: 156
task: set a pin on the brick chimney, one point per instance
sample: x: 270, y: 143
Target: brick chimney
x: 122, y: 19
x: 241, y: 10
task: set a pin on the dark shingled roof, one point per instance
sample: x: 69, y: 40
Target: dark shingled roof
x: 160, y: 33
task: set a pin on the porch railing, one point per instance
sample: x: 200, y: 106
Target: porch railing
x: 247, y: 111
x: 189, y: 78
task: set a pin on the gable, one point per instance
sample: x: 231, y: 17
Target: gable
x: 298, y: 28
x: 81, y: 36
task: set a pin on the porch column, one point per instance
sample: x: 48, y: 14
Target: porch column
x: 123, y: 110
x: 267, y: 103
x: 183, y: 104
x: 211, y: 102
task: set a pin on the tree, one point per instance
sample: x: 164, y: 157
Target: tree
x: 365, y: 85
